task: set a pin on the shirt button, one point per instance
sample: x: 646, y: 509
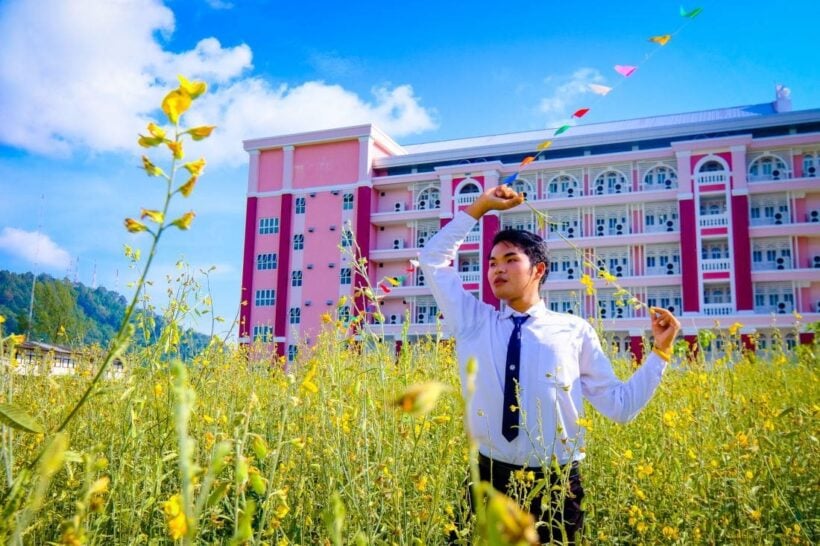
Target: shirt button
x: 512, y: 367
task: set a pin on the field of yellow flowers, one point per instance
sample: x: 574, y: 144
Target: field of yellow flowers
x: 223, y: 451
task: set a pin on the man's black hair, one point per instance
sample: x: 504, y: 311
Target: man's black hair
x: 530, y: 243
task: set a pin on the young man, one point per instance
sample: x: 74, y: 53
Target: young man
x: 535, y: 366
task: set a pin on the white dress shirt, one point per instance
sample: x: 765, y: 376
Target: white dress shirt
x: 561, y: 363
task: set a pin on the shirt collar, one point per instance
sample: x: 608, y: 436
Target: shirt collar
x: 537, y: 310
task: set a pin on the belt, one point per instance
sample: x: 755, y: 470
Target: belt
x: 485, y: 461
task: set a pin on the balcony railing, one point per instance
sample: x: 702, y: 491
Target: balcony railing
x: 664, y: 270
x: 770, y: 177
x: 712, y: 178
x: 718, y: 309
x: 466, y: 199
x: 773, y: 265
x: 473, y: 237
x: 721, y: 264
x: 778, y: 219
x: 780, y: 308
x: 470, y: 276
x: 713, y: 220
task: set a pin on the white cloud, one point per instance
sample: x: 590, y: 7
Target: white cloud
x: 34, y: 247
x: 90, y: 79
x: 566, y: 94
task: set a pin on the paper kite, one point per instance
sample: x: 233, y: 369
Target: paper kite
x: 580, y: 113
x: 625, y: 70
x: 663, y: 39
x: 599, y: 89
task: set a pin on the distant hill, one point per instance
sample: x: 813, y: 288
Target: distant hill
x: 68, y: 313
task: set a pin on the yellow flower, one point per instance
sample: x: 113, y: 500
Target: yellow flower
x: 421, y: 398
x: 670, y: 418
x: 199, y: 133
x: 735, y: 328
x: 2, y: 319
x: 587, y: 281
x: 134, y: 226
x: 755, y: 515
x: 192, y: 89
x: 176, y: 148
x: 184, y: 221
x: 645, y: 470
x: 670, y: 532
x: 158, y: 390
x: 628, y: 454
x: 175, y: 104
x: 742, y: 439
x: 188, y: 186
x: 195, y: 167
x: 175, y: 517
x: 150, y: 168
x: 327, y: 318
x: 149, y: 142
x: 507, y: 523
x: 607, y: 276
x: 584, y: 423
x: 153, y: 215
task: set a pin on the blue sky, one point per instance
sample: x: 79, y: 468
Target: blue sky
x: 78, y: 83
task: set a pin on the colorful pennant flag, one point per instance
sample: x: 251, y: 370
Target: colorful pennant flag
x: 527, y: 161
x: 661, y: 39
x: 625, y: 70
x: 385, y: 288
x: 690, y: 14
x: 410, y: 268
x: 510, y: 179
x: 580, y: 113
x: 599, y: 89
x: 393, y: 280
x: 561, y: 129
x: 544, y: 145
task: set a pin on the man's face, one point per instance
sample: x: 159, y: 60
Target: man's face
x: 510, y: 272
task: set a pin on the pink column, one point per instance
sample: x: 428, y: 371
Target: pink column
x: 636, y: 347
x: 741, y: 251
x: 280, y: 322
x: 689, y: 256
x: 248, y: 261
x: 489, y: 226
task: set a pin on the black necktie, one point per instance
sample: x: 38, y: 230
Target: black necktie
x: 509, y: 422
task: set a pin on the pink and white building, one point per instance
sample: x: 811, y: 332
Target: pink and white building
x: 713, y: 214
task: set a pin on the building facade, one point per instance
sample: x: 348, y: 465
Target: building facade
x: 714, y: 215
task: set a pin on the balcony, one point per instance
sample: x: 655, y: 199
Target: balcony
x: 773, y: 265
x: 770, y: 177
x: 668, y: 269
x: 776, y: 219
x: 714, y: 220
x: 466, y: 198
x: 720, y: 264
x: 712, y: 178
x: 718, y: 309
x: 470, y: 276
x: 473, y: 237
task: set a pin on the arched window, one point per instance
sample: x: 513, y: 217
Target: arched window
x: 522, y: 185
x: 768, y: 167
x: 711, y: 166
x: 468, y: 188
x: 660, y: 177
x: 563, y: 185
x: 611, y: 182
x: 428, y: 198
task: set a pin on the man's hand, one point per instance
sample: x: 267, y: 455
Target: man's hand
x: 495, y: 198
x: 665, y: 328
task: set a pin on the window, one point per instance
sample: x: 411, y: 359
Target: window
x: 344, y: 313
x: 428, y: 198
x: 660, y: 178
x: 768, y: 167
x: 265, y: 297
x: 563, y: 185
x: 262, y: 333
x: 611, y: 182
x: 344, y: 275
x: 296, y: 278
x: 268, y: 226
x: 295, y: 315
x: 300, y: 205
x: 525, y: 187
x: 347, y: 238
x: 298, y: 242
x: 265, y: 261
x: 347, y: 201
x: 293, y: 351
x: 811, y: 164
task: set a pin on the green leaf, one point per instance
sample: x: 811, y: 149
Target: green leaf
x: 19, y: 419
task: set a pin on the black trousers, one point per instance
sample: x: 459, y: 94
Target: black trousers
x: 561, y: 519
